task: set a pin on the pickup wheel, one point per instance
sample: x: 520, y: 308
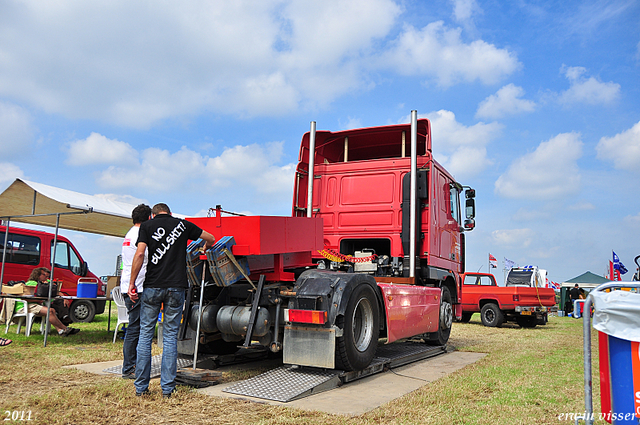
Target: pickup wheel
x: 82, y: 311
x: 446, y: 320
x: 491, y: 315
x: 466, y: 317
x: 360, y: 324
x: 527, y: 321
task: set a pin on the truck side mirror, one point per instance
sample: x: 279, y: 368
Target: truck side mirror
x: 470, y: 212
x: 84, y: 269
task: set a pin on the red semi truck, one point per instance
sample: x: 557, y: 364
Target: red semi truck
x: 527, y: 304
x: 377, y: 254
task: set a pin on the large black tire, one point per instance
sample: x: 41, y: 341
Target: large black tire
x: 82, y: 311
x: 527, y: 321
x: 445, y: 322
x: 466, y: 317
x: 361, y: 325
x: 491, y: 315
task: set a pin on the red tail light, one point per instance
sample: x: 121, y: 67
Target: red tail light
x: 316, y: 317
x: 516, y: 297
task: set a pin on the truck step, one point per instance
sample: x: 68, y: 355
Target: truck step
x: 288, y: 383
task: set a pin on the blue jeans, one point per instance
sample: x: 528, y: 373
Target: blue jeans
x: 152, y: 300
x: 130, y: 346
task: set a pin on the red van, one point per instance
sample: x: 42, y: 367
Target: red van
x: 28, y: 249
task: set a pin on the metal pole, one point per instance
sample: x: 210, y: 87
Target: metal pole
x: 53, y: 263
x: 312, y: 157
x: 414, y: 172
x: 4, y: 249
x: 586, y: 336
x: 200, y: 309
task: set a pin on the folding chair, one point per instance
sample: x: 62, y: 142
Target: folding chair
x: 123, y: 314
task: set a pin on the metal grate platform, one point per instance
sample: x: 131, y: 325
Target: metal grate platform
x: 156, y: 363
x: 287, y: 383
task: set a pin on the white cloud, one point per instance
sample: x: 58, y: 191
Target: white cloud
x: 16, y: 132
x: 132, y: 64
x: 513, y: 238
x: 461, y: 149
x: 253, y: 167
x: 550, y: 172
x: 587, y: 90
x: 463, y: 10
x: 98, y: 149
x: 8, y: 173
x: 127, y: 199
x: 582, y: 206
x: 623, y: 149
x: 506, y: 101
x: 439, y: 52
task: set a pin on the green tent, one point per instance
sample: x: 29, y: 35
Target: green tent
x: 586, y: 281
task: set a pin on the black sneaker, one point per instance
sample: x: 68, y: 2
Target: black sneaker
x: 168, y: 395
x: 130, y: 375
x: 73, y: 331
x: 143, y: 393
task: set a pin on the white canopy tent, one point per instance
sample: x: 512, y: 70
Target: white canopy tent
x: 37, y: 203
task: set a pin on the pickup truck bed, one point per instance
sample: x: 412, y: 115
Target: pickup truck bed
x: 528, y: 306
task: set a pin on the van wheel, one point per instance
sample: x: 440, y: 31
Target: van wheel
x: 361, y: 325
x: 82, y: 311
x: 446, y: 320
x: 491, y: 315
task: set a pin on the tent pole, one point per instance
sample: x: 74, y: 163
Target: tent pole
x: 4, y: 249
x: 53, y: 262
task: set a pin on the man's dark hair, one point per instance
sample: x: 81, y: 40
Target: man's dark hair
x: 141, y: 213
x: 160, y: 208
x: 35, y: 273
x: 576, y: 285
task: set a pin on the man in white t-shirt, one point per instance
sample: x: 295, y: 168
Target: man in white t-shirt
x: 140, y: 214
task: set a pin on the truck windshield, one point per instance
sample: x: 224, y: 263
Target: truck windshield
x: 519, y: 278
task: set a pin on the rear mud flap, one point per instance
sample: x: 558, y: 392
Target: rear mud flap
x: 306, y: 346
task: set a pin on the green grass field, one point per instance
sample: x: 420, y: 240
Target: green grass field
x: 528, y: 376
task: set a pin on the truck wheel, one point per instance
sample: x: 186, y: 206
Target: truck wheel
x: 491, y: 315
x: 527, y: 321
x: 544, y: 319
x: 361, y: 324
x: 446, y: 320
x: 82, y: 311
x: 466, y: 317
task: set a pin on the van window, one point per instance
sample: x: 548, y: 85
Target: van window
x: 21, y: 249
x: 67, y: 258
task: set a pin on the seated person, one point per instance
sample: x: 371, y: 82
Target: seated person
x: 41, y: 274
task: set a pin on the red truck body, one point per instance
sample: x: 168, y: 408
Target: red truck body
x: 528, y: 306
x: 342, y: 275
x: 358, y: 192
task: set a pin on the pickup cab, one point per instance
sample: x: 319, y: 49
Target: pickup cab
x: 526, y: 305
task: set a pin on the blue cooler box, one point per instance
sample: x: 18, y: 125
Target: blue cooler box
x: 87, y: 290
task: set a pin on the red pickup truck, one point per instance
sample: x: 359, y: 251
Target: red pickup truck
x: 526, y: 305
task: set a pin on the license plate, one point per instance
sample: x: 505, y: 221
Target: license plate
x: 526, y: 313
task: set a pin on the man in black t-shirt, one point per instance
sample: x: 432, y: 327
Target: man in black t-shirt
x: 165, y: 283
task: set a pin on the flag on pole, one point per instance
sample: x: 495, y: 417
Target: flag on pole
x: 508, y: 264
x: 617, y: 264
x: 493, y: 262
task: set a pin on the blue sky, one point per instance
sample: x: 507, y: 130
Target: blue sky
x: 198, y: 103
